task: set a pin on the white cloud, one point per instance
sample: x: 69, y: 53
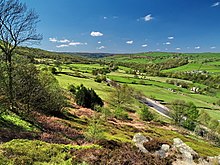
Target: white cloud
x: 105, y: 17
x: 148, y: 17
x: 213, y: 47
x: 178, y: 48
x: 64, y: 41
x: 130, y: 42
x: 77, y: 43
x: 158, y: 50
x: 61, y: 41
x: 215, y: 4
x: 171, y: 38
x: 167, y: 43
x: 62, y: 46
x: 96, y: 34
x: 166, y: 48
x: 99, y: 42
x: 197, y: 47
x: 145, y: 45
x: 52, y: 39
x: 101, y: 47
x: 115, y: 17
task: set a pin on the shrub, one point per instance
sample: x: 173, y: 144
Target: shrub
x: 94, y: 131
x: 145, y: 114
x: 53, y: 70
x: 98, y: 79
x: 87, y: 98
x: 32, y: 87
x: 120, y: 113
x: 72, y: 89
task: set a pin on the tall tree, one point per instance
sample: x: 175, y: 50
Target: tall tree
x: 122, y: 95
x: 17, y: 27
x: 184, y: 114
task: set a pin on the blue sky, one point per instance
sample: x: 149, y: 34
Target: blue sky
x: 128, y: 26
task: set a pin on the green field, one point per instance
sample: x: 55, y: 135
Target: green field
x: 102, y: 89
x: 196, y: 67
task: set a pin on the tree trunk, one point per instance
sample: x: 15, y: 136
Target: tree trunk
x: 10, y: 82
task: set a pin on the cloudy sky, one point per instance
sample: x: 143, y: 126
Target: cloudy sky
x: 127, y: 26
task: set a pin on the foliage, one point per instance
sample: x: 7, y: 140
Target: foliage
x: 145, y: 114
x: 105, y: 112
x: 87, y: 97
x: 204, y: 118
x: 28, y: 152
x: 213, y: 124
x: 53, y: 70
x: 99, y: 78
x: 122, y: 95
x: 94, y: 130
x: 72, y: 89
x: 120, y: 113
x: 32, y: 87
x: 18, y: 26
x: 184, y: 114
x: 218, y: 102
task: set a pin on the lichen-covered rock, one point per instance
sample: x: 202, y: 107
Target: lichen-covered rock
x: 187, y: 153
x: 164, y: 149
x: 139, y: 140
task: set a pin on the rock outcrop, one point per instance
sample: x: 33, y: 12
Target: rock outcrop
x: 139, y: 141
x: 184, y: 155
x: 187, y: 153
x: 163, y: 151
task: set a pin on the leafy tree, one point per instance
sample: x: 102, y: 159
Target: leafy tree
x: 184, y: 114
x: 33, y: 87
x: 17, y: 26
x: 83, y: 97
x: 87, y: 97
x: 122, y: 95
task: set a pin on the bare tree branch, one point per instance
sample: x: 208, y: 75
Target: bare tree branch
x: 17, y: 26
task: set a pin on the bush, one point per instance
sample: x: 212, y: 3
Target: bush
x: 32, y: 87
x: 98, y: 79
x: 87, y: 98
x: 72, y: 89
x: 120, y: 113
x: 145, y: 114
x: 95, y: 130
x: 53, y: 70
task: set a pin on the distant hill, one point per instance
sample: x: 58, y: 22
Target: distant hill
x: 89, y: 55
